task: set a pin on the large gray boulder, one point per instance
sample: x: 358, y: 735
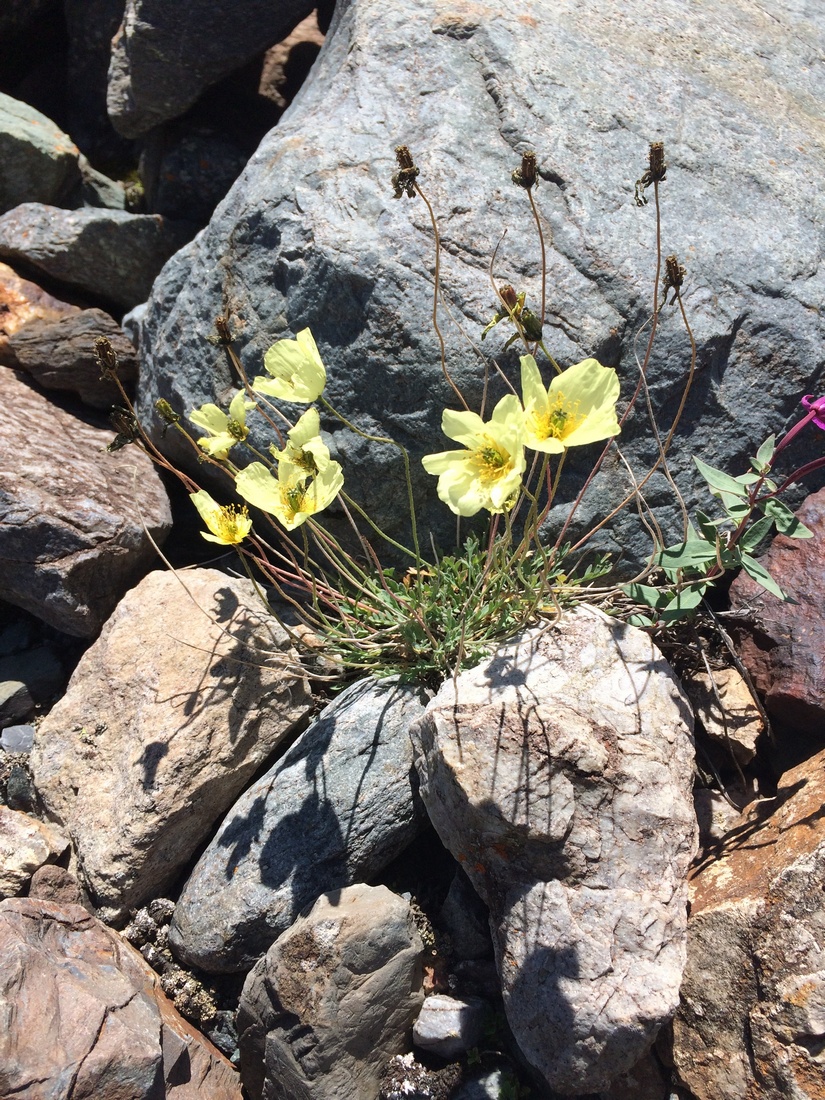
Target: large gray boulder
x: 311, y: 235
x: 336, y: 809
x: 558, y: 773
x: 164, y: 56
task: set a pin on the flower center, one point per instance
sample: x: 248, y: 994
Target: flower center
x: 558, y: 420
x: 237, y: 430
x: 490, y: 460
x: 293, y: 498
x: 231, y: 523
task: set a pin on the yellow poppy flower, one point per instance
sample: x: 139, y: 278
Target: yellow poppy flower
x: 487, y: 473
x: 228, y: 524
x: 578, y: 407
x: 297, y: 373
x: 224, y: 430
x: 292, y: 497
x: 305, y: 448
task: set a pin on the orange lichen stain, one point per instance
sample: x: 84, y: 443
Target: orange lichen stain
x: 528, y: 20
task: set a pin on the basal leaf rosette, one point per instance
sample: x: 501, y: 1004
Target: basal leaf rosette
x: 225, y: 430
x: 292, y: 497
x: 487, y: 473
x: 296, y: 371
x: 228, y: 524
x: 578, y: 407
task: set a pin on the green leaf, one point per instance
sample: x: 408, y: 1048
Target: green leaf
x: 765, y: 453
x: 692, y: 554
x: 640, y: 621
x: 718, y: 479
x: 760, y: 574
x: 645, y: 594
x: 754, y: 535
x: 683, y: 602
x: 786, y: 522
x: 735, y: 507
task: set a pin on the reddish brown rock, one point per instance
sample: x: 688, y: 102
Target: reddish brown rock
x: 72, y: 536
x: 85, y: 1016
x: 22, y: 302
x: 60, y: 355
x: 751, y: 1022
x: 783, y: 644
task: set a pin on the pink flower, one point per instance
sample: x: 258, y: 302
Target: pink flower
x: 816, y: 405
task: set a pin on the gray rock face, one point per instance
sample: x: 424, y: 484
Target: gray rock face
x: 40, y: 162
x: 60, y: 355
x: 71, y: 516
x: 310, y: 235
x: 163, y: 58
x: 448, y: 1026
x: 559, y: 775
x: 110, y: 254
x: 336, y: 809
x: 333, y: 999
x: 85, y: 1016
x: 172, y: 710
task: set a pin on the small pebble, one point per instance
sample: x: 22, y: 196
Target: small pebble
x: 17, y: 738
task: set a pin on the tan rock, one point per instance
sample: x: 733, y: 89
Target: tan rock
x: 750, y: 1024
x: 84, y: 1015
x: 724, y: 704
x: 25, y: 845
x: 73, y: 529
x: 185, y: 694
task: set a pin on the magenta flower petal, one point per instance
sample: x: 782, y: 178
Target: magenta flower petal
x: 816, y: 405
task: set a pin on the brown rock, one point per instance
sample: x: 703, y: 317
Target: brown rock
x: 751, y: 1023
x: 188, y: 690
x: 783, y: 644
x: 72, y: 517
x: 25, y: 845
x: 22, y: 302
x: 54, y: 883
x: 60, y: 355
x: 85, y: 1016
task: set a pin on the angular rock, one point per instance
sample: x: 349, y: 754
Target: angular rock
x: 333, y: 998
x: 558, y: 773
x: 336, y: 809
x: 60, y: 355
x: 110, y: 254
x: 156, y: 73
x: 180, y: 701
x: 72, y: 517
x: 448, y: 1026
x: 85, y: 1016
x: 27, y: 679
x: 782, y: 645
x: 40, y: 163
x: 91, y: 26
x: 751, y: 1019
x: 311, y: 234
x: 25, y: 845
x: 724, y: 705
x: 22, y: 302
